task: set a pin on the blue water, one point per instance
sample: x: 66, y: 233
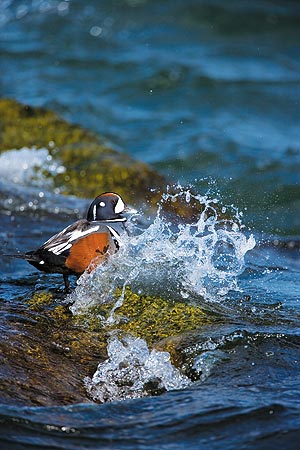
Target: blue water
x: 208, y: 92
x: 199, y: 422
x: 199, y: 89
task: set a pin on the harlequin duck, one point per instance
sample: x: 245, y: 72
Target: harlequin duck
x: 85, y: 243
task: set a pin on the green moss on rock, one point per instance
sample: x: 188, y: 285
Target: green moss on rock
x: 154, y: 318
x: 23, y: 125
x: 148, y: 317
x: 40, y: 300
x: 47, y: 351
x: 91, y: 166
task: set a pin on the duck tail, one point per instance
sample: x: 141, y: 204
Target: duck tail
x: 15, y: 255
x: 27, y: 256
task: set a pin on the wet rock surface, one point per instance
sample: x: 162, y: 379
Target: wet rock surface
x: 46, y: 352
x: 44, y: 356
x: 90, y: 165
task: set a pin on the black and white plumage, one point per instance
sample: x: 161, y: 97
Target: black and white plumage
x: 84, y: 244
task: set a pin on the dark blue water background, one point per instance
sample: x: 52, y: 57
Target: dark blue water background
x: 208, y: 92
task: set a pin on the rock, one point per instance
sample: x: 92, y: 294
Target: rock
x: 149, y: 317
x: 44, y: 356
x: 46, y: 353
x: 91, y: 166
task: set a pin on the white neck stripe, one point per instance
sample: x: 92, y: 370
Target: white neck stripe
x: 111, y: 220
x: 114, y: 233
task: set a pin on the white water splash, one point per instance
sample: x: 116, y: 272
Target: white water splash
x: 132, y: 371
x: 27, y: 166
x: 210, y: 352
x: 202, y: 259
x: 206, y: 362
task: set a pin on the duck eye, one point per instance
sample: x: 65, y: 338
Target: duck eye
x: 102, y: 204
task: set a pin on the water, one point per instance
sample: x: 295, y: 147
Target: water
x: 130, y: 367
x: 196, y: 88
x: 208, y: 93
x: 33, y: 162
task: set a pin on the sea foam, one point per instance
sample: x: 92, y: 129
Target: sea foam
x: 27, y: 166
x: 133, y: 371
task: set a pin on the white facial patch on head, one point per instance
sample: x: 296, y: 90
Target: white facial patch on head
x: 119, y: 206
x: 102, y: 204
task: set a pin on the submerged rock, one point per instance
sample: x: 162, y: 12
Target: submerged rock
x: 44, y: 357
x: 148, y: 317
x: 47, y: 353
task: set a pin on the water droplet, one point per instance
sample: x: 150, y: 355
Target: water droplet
x: 95, y: 31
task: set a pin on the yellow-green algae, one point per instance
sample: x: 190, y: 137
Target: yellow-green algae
x: 156, y: 320
x: 91, y: 166
x: 46, y: 352
x: 39, y: 300
x: 149, y: 317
